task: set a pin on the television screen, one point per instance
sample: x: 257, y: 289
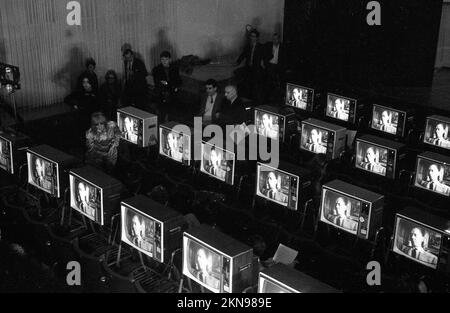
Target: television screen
x: 299, y: 97
x: 267, y: 286
x: 218, y: 163
x: 388, y: 120
x: 417, y: 242
x: 371, y: 158
x: 433, y: 176
x: 340, y: 210
x: 437, y: 133
x: 86, y: 199
x: 9, y: 77
x: 277, y: 186
x: 131, y: 128
x: 340, y: 108
x: 43, y: 174
x: 6, y: 156
x: 206, y: 266
x: 142, y: 232
x: 267, y: 125
x: 314, y: 139
x: 174, y: 145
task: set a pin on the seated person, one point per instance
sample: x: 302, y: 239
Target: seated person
x: 440, y: 136
x: 203, y: 267
x: 385, y: 123
x: 314, y: 143
x: 273, y: 191
x: 232, y: 111
x: 102, y: 141
x: 211, y: 102
x: 417, y: 246
x: 297, y: 99
x: 371, y: 162
x: 266, y: 128
x: 435, y: 180
x: 341, y: 215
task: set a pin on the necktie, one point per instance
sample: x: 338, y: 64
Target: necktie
x: 211, y: 99
x: 253, y: 53
x: 414, y: 253
x: 432, y: 186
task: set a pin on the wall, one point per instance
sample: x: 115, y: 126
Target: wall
x: 34, y: 35
x: 443, y: 51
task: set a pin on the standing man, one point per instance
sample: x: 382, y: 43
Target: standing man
x: 253, y: 55
x: 275, y: 64
x: 167, y: 80
x: 210, y: 103
x: 135, y: 82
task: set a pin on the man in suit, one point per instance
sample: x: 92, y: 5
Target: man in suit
x: 417, y: 245
x: 232, y: 111
x: 167, y: 80
x: 253, y: 55
x: 273, y: 191
x: 267, y: 127
x: 434, y: 180
x: 315, y: 144
x: 440, y: 137
x: 173, y: 149
x: 135, y: 80
x: 210, y: 103
x: 385, y: 123
x: 274, y: 60
x: 371, y: 162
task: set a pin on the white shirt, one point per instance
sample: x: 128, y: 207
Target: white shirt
x: 209, y: 107
x: 275, y: 50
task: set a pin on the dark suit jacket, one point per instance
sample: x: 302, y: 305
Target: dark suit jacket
x: 232, y: 113
x: 268, y: 54
x: 220, y: 99
x: 173, y: 79
x: 258, y: 56
x: 137, y: 84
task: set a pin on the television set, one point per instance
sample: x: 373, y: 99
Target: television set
x: 281, y: 278
x: 352, y: 209
x: 287, y: 185
x: 379, y: 156
x: 433, y: 173
x: 9, y: 77
x: 137, y: 126
x: 274, y: 123
x: 13, y: 146
x: 216, y: 261
x: 48, y: 168
x: 217, y: 162
x: 423, y: 238
x: 95, y: 194
x: 320, y: 137
x: 175, y: 145
x: 388, y: 120
x: 341, y: 108
x: 437, y: 132
x: 300, y: 97
x: 151, y: 228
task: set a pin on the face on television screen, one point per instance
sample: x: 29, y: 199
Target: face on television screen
x: 386, y: 120
x: 299, y: 97
x: 433, y: 176
x: 371, y: 158
x: 86, y: 199
x: 205, y: 266
x: 277, y: 186
x: 131, y: 128
x: 437, y: 134
x: 267, y: 286
x: 417, y: 242
x: 340, y: 211
x: 217, y: 163
x: 338, y: 108
x: 43, y: 174
x: 6, y: 161
x: 267, y: 125
x: 175, y: 146
x: 314, y: 139
x: 142, y: 233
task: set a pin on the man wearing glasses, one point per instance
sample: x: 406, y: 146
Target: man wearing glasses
x: 210, y: 103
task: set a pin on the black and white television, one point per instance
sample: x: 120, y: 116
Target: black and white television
x: 274, y: 123
x: 217, y: 162
x: 352, y: 209
x: 47, y: 169
x: 300, y: 97
x: 437, y: 132
x: 216, y: 261
x: 433, y: 173
x: 388, y: 120
x: 379, y: 156
x: 175, y: 145
x: 13, y: 146
x: 137, y: 126
x: 95, y: 194
x: 151, y: 228
x: 341, y: 108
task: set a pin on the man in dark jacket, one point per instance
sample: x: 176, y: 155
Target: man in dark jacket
x: 274, y: 60
x: 211, y: 102
x: 135, y: 80
x: 167, y: 80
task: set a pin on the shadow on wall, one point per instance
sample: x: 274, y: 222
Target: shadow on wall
x: 162, y: 44
x: 67, y: 76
